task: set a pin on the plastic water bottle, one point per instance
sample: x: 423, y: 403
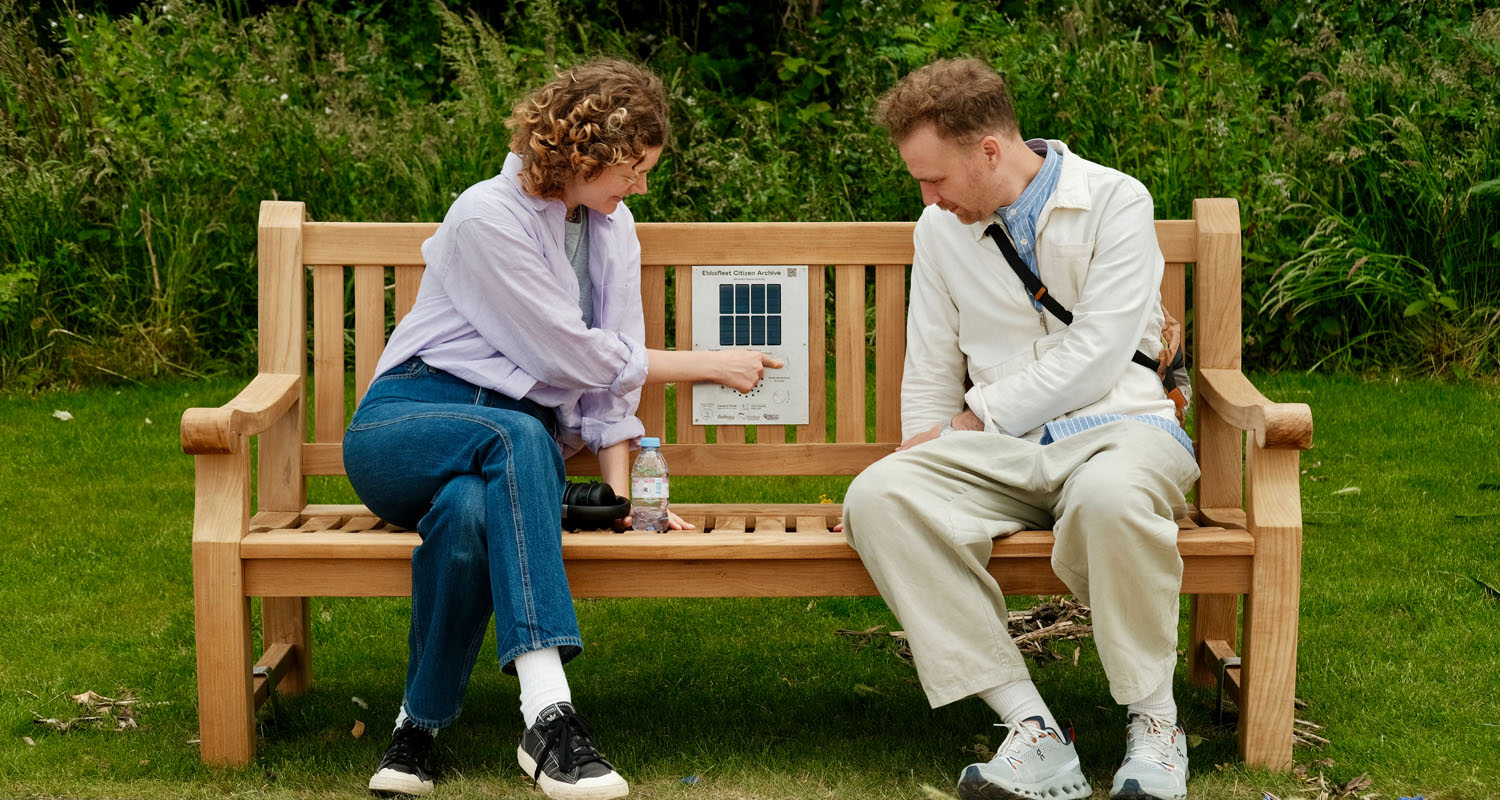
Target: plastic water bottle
x: 649, y: 485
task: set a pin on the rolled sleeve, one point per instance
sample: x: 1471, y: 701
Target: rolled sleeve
x: 609, y: 416
x: 599, y: 434
x: 633, y: 376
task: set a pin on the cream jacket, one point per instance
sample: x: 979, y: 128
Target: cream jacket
x: 970, y: 316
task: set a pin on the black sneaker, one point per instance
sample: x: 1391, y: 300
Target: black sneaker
x: 558, y: 753
x: 406, y: 768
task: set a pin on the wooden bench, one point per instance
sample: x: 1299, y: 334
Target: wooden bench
x: 1243, y: 539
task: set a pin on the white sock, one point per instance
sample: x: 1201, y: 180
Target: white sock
x: 1158, y: 704
x: 543, y: 682
x: 1016, y: 701
x: 401, y: 719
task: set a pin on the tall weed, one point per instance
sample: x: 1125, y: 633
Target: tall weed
x: 1362, y: 145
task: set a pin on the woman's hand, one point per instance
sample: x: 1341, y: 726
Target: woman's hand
x: 674, y: 522
x: 741, y: 370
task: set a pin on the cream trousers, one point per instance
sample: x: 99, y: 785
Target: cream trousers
x: 923, y: 519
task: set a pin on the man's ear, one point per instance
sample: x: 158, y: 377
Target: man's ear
x: 991, y: 148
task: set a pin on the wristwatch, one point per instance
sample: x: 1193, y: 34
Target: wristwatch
x: 947, y: 429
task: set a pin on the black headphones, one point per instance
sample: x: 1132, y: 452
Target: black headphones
x: 591, y: 506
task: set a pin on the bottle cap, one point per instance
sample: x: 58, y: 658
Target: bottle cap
x: 650, y: 441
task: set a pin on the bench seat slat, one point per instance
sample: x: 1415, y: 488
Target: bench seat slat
x: 688, y: 577
x: 733, y: 544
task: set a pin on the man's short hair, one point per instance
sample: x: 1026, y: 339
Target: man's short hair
x: 964, y: 99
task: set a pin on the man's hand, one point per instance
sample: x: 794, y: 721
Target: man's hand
x: 921, y: 438
x: 740, y: 370
x: 967, y: 420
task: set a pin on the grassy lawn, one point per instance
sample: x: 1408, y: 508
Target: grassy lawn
x: 1400, y: 647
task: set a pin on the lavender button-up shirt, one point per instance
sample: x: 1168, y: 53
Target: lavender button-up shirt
x: 498, y: 307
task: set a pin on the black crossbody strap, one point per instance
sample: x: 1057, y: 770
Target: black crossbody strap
x: 1033, y: 284
x: 1038, y: 292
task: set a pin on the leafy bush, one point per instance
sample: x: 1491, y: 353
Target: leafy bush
x: 1361, y: 143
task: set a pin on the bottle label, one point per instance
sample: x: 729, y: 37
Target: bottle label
x: 648, y: 488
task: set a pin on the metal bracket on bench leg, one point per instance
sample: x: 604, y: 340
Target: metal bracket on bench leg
x: 272, y: 677
x: 1225, y: 664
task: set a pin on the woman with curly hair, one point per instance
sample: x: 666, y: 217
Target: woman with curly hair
x: 525, y: 344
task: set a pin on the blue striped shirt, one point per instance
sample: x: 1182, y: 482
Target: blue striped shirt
x: 1020, y: 219
x: 1060, y: 428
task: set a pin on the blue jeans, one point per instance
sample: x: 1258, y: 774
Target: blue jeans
x: 479, y: 477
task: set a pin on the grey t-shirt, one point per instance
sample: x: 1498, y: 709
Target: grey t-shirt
x: 576, y: 243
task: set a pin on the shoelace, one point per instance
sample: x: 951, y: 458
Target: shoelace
x: 411, y: 746
x: 1151, y: 738
x: 572, y: 732
x: 1025, y: 728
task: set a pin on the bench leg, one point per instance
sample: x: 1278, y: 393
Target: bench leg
x: 226, y: 706
x: 1269, y: 672
x: 1210, y: 616
x: 286, y: 620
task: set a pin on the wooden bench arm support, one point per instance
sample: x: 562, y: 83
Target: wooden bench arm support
x: 1277, y: 426
x: 218, y: 431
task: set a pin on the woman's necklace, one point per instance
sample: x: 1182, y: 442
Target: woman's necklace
x: 576, y: 215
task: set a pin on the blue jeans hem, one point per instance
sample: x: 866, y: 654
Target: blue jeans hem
x: 432, y: 724
x: 569, y: 647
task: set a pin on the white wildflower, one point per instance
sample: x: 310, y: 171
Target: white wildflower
x: 283, y: 97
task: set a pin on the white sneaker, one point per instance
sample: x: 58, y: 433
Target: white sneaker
x: 1156, y: 761
x: 1034, y: 762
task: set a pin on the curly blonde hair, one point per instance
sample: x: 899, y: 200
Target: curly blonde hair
x: 963, y: 99
x: 588, y: 118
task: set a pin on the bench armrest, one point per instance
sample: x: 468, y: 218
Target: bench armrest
x: 1277, y: 426
x: 207, y: 431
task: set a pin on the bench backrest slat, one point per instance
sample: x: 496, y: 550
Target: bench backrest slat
x: 850, y: 265
x: 849, y: 352
x: 369, y: 325
x: 890, y: 342
x: 328, y: 353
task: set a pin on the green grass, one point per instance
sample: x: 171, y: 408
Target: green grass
x: 760, y: 698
